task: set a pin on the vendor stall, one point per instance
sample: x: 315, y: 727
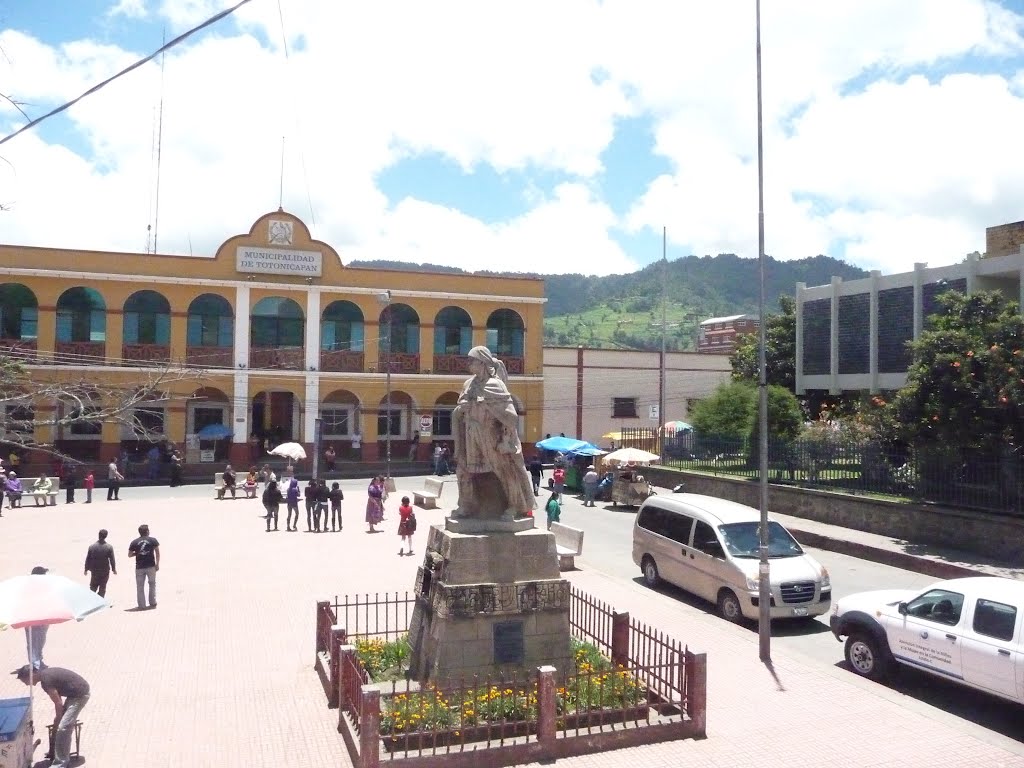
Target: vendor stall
x: 16, y: 743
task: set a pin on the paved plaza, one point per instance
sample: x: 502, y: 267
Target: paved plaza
x: 220, y: 674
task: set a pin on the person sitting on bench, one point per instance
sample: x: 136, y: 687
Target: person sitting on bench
x: 12, y: 486
x: 41, y: 489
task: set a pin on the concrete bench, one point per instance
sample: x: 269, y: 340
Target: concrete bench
x: 220, y: 491
x: 568, y: 544
x: 49, y: 497
x: 427, y: 498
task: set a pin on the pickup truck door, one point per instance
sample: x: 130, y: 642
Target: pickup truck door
x: 929, y: 634
x: 992, y: 654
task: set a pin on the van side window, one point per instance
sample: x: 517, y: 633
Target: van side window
x: 705, y: 539
x: 665, y: 523
x: 995, y: 619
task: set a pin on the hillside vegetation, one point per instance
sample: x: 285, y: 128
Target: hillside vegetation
x: 626, y: 310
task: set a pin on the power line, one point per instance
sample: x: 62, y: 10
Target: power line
x: 99, y: 86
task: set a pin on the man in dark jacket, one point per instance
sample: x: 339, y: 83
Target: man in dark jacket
x: 99, y: 561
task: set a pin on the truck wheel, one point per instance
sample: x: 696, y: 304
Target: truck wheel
x: 650, y: 569
x: 729, y: 606
x: 865, y: 656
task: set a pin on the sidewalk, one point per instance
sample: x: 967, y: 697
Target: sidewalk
x: 221, y: 673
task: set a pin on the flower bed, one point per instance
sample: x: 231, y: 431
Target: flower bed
x: 597, y: 692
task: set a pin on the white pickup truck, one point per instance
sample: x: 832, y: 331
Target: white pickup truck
x: 966, y: 630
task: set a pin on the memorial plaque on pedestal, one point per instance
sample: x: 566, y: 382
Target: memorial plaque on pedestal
x: 508, y: 642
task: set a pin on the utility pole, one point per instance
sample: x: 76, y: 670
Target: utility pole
x: 764, y: 624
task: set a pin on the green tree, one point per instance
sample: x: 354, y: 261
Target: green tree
x: 965, y: 387
x: 780, y: 349
x: 728, y: 413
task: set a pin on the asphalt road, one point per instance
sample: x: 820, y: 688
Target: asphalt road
x: 607, y: 547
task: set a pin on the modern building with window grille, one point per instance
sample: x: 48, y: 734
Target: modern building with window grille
x: 853, y: 335
x: 280, y: 332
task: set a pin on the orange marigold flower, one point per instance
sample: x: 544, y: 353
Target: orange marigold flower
x: 956, y: 364
x: 970, y: 353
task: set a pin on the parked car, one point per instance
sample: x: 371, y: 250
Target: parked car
x: 709, y: 546
x: 965, y: 630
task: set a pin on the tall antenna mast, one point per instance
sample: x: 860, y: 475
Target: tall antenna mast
x: 159, y: 148
x: 280, y: 189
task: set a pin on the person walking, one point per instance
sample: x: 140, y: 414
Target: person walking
x: 406, y: 524
x: 229, y: 481
x: 176, y: 462
x: 114, y: 480
x: 330, y: 457
x: 336, y: 496
x: 272, y: 503
x: 590, y: 481
x: 553, y: 509
x: 35, y: 637
x: 89, y: 483
x: 536, y: 469
x: 146, y: 551
x: 69, y: 692
x: 69, y: 480
x: 323, y: 498
x: 292, y: 501
x: 309, y: 495
x: 375, y: 502
x: 559, y: 480
x: 99, y: 561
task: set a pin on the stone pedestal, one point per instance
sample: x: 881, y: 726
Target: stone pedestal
x: 490, y: 601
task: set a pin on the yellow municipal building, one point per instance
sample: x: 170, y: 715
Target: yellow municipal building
x: 275, y: 333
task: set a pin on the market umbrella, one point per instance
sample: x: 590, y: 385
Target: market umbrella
x: 589, y: 450
x: 614, y: 435
x: 562, y: 444
x: 292, y: 451
x: 634, y: 455
x: 677, y: 426
x: 214, y: 432
x: 39, y: 600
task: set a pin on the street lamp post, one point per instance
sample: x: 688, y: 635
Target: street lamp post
x: 384, y: 297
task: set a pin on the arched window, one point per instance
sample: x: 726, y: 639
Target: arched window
x: 277, y: 322
x: 210, y: 322
x: 453, y: 332
x: 81, y: 316
x: 147, y: 319
x: 505, y: 333
x: 341, y: 328
x: 19, y: 312
x: 399, y: 329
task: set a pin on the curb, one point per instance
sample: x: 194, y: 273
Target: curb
x: 903, y: 560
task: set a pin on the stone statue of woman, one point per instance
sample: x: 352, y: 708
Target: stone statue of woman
x: 493, y: 481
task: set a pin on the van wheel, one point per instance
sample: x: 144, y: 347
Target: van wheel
x: 729, y: 606
x: 650, y: 569
x: 865, y: 657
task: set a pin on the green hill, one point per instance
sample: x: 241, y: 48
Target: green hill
x: 626, y: 310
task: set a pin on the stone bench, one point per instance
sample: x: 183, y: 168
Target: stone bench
x: 220, y: 490
x: 568, y: 544
x: 427, y: 498
x: 49, y: 497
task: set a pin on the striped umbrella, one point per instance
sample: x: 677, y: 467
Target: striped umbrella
x: 38, y: 600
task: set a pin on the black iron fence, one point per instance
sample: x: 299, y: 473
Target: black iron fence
x: 952, y: 477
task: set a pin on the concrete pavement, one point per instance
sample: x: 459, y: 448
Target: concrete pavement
x: 221, y: 673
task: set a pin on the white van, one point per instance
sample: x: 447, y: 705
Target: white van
x: 709, y: 546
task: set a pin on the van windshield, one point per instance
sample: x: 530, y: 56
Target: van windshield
x: 741, y: 540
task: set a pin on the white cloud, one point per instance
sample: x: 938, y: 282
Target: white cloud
x: 864, y: 147
x: 131, y: 9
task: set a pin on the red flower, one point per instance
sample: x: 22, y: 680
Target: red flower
x: 970, y: 353
x: 956, y: 364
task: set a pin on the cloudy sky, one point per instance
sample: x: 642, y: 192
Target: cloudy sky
x: 529, y: 135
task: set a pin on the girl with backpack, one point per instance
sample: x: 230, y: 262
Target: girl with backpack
x: 406, y: 524
x: 292, y: 499
x: 272, y: 502
x: 336, y: 497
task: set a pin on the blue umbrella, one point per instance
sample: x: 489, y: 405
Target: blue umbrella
x: 214, y: 432
x: 562, y: 444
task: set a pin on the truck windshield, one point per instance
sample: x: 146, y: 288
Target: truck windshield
x: 741, y: 540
